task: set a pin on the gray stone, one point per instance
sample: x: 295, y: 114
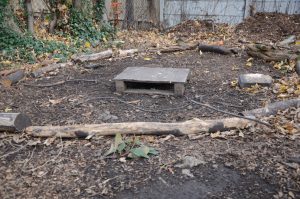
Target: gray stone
x: 248, y: 80
x: 107, y: 116
x: 190, y: 162
x: 298, y: 67
x: 187, y: 172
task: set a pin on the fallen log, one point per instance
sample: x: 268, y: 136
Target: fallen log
x: 12, y: 78
x: 39, y: 72
x: 14, y: 122
x: 172, y: 49
x: 273, y: 108
x: 94, y: 57
x: 269, y: 53
x: 287, y: 41
x: 214, y: 49
x: 127, y: 53
x: 194, y: 126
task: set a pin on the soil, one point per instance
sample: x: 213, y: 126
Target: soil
x: 251, y: 163
x: 271, y: 26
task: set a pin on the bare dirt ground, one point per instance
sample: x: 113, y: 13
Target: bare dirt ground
x: 251, y: 163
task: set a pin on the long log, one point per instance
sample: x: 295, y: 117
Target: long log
x: 193, y: 126
x: 39, y: 72
x: 268, y: 53
x: 273, y: 108
x: 176, y: 48
x: 214, y: 49
x: 94, y: 57
x: 14, y: 122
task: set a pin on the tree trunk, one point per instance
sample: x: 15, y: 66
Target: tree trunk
x: 77, y: 4
x: 53, y: 22
x: 152, y: 12
x: 129, y: 14
x: 30, y: 19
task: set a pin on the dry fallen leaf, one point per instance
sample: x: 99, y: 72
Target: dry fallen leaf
x: 57, y: 101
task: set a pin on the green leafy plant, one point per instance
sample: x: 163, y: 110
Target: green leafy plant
x: 130, y: 148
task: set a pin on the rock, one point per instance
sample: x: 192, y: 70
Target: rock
x: 190, y: 162
x: 298, y: 67
x: 248, y: 80
x: 187, y: 172
x: 107, y: 116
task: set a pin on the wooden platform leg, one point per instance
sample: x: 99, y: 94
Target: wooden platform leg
x: 178, y: 89
x: 120, y: 86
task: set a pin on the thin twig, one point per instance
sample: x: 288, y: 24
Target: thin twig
x: 61, y: 82
x: 229, y: 105
x: 229, y: 113
x: 48, y: 161
x: 12, y: 152
x: 137, y: 107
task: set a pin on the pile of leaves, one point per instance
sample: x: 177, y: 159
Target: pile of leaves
x: 271, y: 26
x: 287, y: 87
x: 130, y: 148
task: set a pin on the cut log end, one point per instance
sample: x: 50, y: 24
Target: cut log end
x: 14, y: 122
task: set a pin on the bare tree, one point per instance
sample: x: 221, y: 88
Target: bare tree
x: 129, y: 14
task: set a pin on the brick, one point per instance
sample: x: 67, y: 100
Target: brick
x: 248, y: 80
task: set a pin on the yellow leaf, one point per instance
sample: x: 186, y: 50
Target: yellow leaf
x: 6, y: 62
x: 104, y: 39
x: 233, y: 83
x: 7, y: 109
x: 87, y: 44
x: 249, y: 64
x: 147, y: 58
x: 6, y: 83
x: 283, y: 88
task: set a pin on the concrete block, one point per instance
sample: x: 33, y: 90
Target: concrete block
x: 251, y: 79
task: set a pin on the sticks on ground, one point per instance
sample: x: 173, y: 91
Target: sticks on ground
x: 232, y: 114
x: 61, y: 82
x: 39, y: 72
x: 273, y: 108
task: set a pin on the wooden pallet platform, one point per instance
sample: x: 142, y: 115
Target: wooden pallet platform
x: 147, y: 80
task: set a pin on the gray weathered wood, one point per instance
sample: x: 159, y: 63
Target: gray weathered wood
x: 155, y: 75
x: 273, y: 108
x: 16, y: 76
x: 39, y: 72
x: 194, y: 126
x: 14, y: 122
x: 94, y: 57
